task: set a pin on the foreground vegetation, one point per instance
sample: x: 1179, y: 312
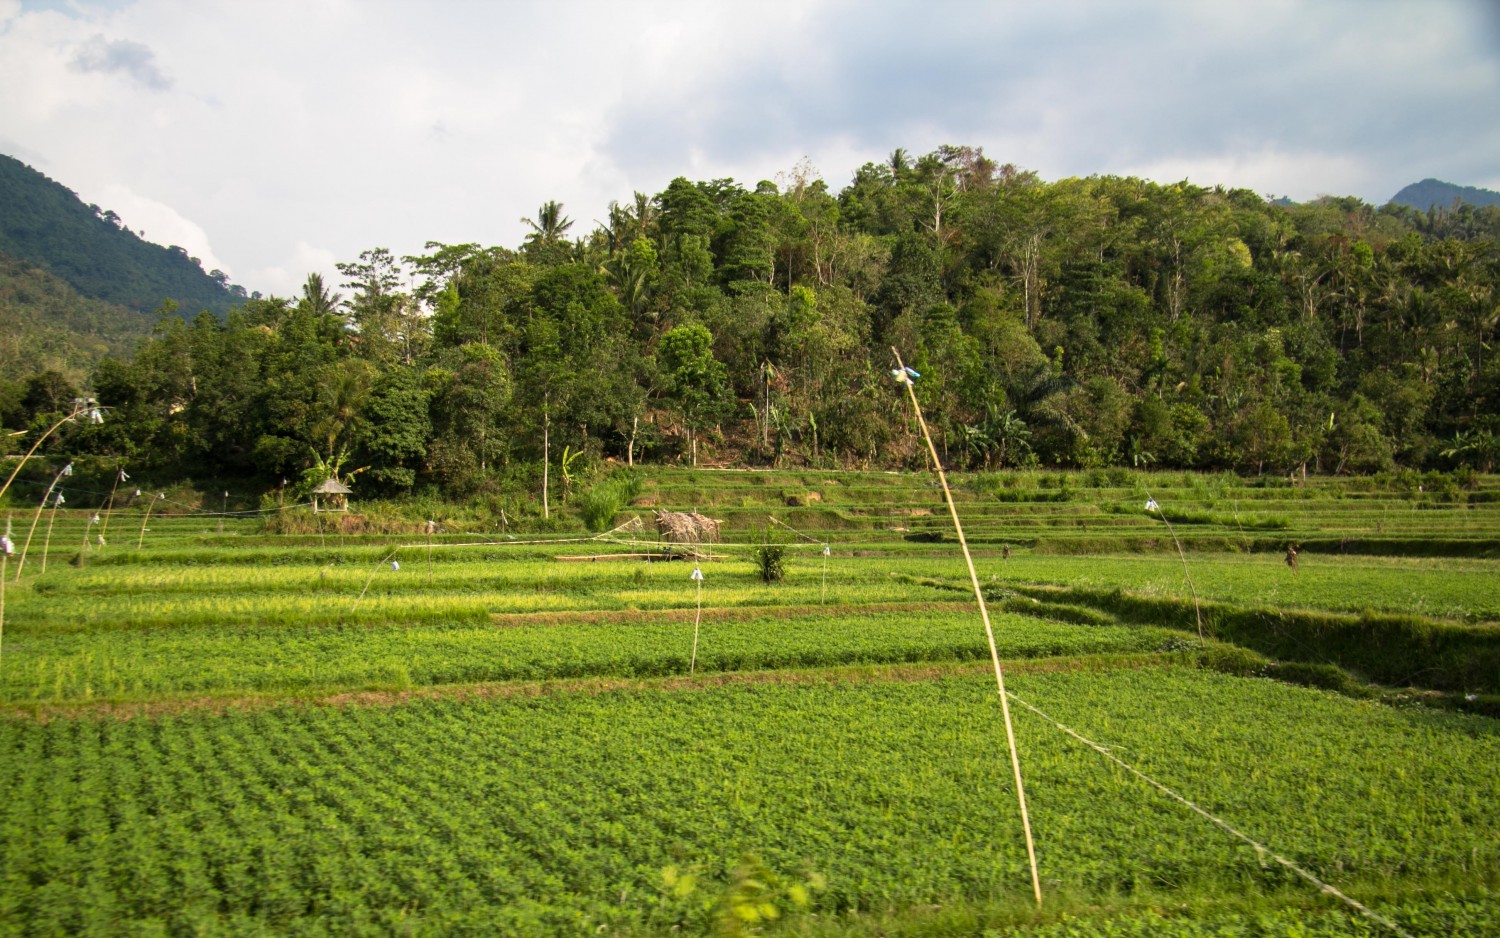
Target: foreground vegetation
x: 236, y: 728
x: 569, y: 812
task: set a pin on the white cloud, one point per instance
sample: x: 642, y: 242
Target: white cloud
x: 1270, y: 172
x: 160, y: 223
x: 286, y: 278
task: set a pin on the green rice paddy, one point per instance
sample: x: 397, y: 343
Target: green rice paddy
x: 226, y: 731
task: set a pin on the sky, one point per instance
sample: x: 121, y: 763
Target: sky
x: 274, y: 138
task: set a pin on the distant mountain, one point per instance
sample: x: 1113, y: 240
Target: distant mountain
x: 1434, y: 193
x: 46, y: 224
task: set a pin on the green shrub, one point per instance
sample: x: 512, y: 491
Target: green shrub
x: 770, y: 562
x: 769, y: 556
x: 607, y: 498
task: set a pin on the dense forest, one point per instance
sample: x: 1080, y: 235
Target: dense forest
x: 1076, y: 323
x: 47, y: 325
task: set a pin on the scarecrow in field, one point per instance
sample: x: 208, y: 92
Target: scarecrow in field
x: 1291, y: 556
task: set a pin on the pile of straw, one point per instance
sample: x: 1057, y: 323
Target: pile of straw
x: 687, y: 527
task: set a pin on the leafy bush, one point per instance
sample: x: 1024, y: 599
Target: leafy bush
x: 607, y: 498
x: 770, y: 557
x: 770, y: 562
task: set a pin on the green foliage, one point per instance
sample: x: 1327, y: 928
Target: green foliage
x: 243, y: 819
x: 770, y: 561
x: 47, y: 225
x: 607, y: 497
x: 1084, y: 323
x: 47, y: 325
x: 322, y: 469
x: 694, y: 378
x: 393, y: 437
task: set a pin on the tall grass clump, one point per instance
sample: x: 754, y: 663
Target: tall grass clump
x: 607, y: 498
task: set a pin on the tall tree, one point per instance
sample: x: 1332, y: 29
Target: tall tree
x: 385, y: 321
x: 695, y: 381
x: 546, y: 245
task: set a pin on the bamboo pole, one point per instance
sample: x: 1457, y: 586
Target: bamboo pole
x: 431, y: 527
x: 823, y: 596
x: 78, y: 410
x: 697, y: 617
x: 4, y: 559
x: 65, y: 471
x: 47, y: 541
x: 1151, y: 505
x: 140, y: 541
x: 109, y: 510
x: 102, y: 515
x: 1010, y: 737
x: 6, y: 548
x: 387, y: 559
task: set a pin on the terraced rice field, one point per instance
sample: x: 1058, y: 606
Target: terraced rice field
x: 232, y: 732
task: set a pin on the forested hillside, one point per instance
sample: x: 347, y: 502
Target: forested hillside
x: 45, y: 224
x: 1082, y: 322
x: 46, y: 325
x: 1434, y: 193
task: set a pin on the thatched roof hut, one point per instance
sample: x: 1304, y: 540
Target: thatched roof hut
x: 335, y: 495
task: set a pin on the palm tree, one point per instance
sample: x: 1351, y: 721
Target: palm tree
x: 550, y: 225
x: 316, y: 299
x: 632, y: 281
x: 344, y: 389
x: 644, y: 210
x: 1039, y: 397
x: 618, y: 228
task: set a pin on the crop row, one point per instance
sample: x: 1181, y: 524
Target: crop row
x: 462, y: 587
x: 630, y: 810
x: 141, y: 664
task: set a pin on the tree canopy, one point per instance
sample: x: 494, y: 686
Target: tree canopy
x: 1081, y: 322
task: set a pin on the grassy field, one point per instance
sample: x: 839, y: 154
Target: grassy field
x: 228, y: 731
